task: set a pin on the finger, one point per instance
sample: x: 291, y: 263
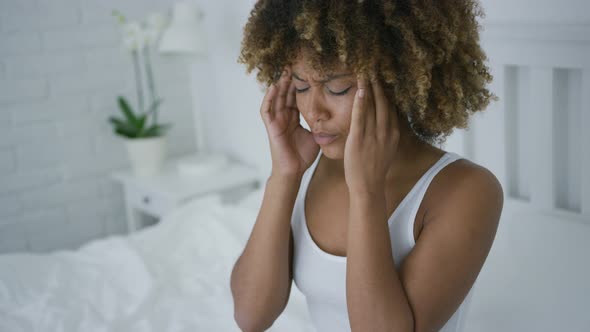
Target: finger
x: 291, y: 99
x: 357, y: 121
x: 283, y: 87
x: 370, y: 109
x: 381, y: 108
x: 394, y: 121
x: 266, y: 107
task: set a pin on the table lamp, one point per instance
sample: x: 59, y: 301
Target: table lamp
x: 183, y: 36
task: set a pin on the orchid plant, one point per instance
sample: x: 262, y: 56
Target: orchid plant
x: 139, y: 38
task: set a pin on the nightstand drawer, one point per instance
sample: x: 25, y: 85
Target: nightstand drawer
x: 152, y: 203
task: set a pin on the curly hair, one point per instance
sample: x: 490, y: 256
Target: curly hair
x: 426, y: 52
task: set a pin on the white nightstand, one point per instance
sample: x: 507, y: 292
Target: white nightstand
x: 147, y: 199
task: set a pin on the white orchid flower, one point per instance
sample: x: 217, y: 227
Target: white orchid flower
x: 156, y: 22
x: 133, y: 36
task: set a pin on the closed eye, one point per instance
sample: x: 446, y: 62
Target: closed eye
x: 341, y: 93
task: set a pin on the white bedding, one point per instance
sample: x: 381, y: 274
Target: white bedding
x: 173, y: 276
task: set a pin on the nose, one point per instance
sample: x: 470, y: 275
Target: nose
x: 316, y: 107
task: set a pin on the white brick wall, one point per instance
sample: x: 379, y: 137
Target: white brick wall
x: 18, y: 43
x: 61, y: 69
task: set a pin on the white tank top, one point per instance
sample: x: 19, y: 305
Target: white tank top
x: 321, y: 276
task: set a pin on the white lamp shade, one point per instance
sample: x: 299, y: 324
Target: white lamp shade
x: 183, y: 35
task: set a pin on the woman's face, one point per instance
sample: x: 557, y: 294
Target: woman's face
x: 326, y: 104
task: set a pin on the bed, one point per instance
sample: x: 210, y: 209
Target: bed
x: 172, y: 276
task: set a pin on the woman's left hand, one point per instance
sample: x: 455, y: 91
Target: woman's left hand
x: 372, y: 140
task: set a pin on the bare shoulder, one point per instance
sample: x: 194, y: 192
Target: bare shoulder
x: 464, y: 185
x: 464, y: 205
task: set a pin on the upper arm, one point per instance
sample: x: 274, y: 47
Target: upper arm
x: 290, y: 282
x: 291, y: 248
x: 453, y: 245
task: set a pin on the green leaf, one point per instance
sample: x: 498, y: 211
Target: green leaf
x: 133, y: 125
x: 126, y: 110
x: 117, y: 121
x: 156, y: 130
x: 119, y: 16
x: 124, y: 126
x: 125, y: 133
x: 141, y: 124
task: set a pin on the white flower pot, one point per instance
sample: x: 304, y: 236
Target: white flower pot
x: 147, y: 155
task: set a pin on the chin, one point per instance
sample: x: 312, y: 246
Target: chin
x: 333, y: 151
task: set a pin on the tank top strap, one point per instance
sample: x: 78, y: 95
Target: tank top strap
x: 305, y: 179
x: 426, y: 179
x: 312, y: 168
x: 446, y: 159
x: 309, y: 172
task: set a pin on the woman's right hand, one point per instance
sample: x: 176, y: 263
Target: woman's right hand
x: 292, y: 147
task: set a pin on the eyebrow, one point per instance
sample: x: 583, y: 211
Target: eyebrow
x: 329, y: 78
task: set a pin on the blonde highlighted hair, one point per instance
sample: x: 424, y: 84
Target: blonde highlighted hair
x: 425, y: 52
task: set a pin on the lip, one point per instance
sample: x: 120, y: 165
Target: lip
x: 323, y: 138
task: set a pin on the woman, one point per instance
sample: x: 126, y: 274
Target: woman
x: 380, y: 229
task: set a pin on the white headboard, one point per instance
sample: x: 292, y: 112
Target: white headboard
x: 535, y: 138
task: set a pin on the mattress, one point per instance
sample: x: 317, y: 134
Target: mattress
x: 173, y: 276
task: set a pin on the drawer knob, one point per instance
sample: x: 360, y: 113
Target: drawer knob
x: 146, y: 199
